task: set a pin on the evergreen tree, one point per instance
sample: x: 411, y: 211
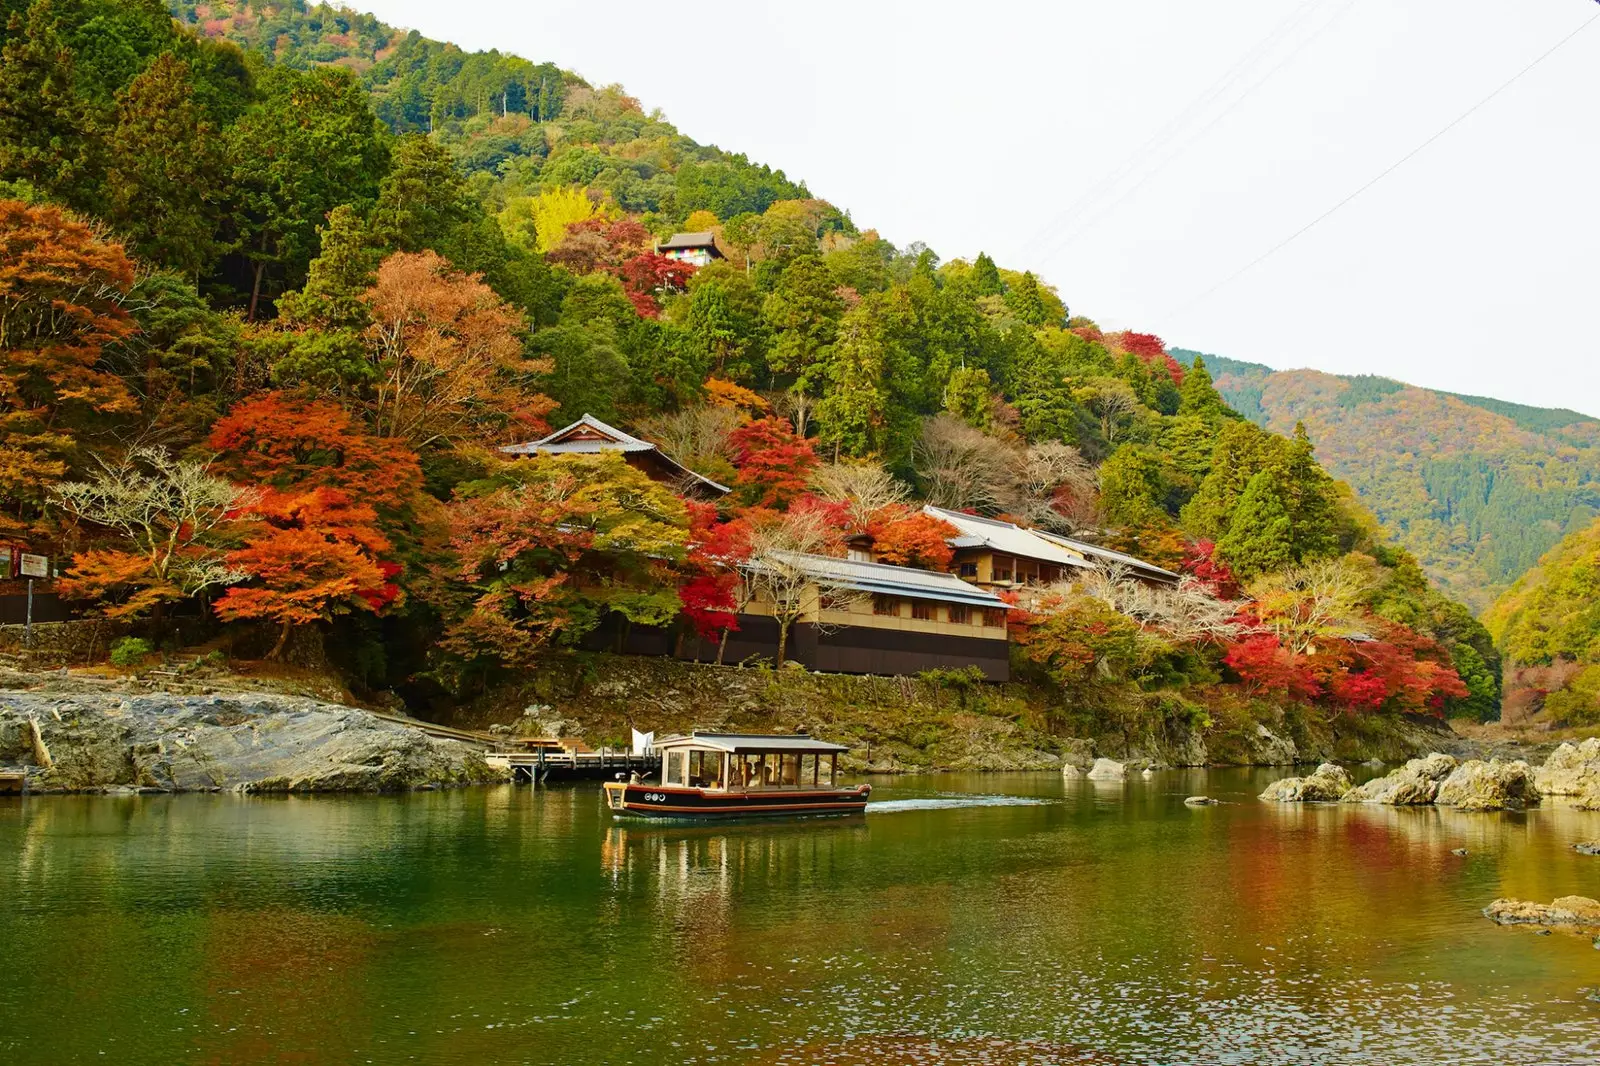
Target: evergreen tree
x: 1026, y: 302
x: 969, y: 396
x: 1311, y: 499
x: 803, y: 313
x: 1260, y: 538
x: 986, y: 276
x: 48, y: 134
x: 331, y: 298
x: 168, y: 176
x: 1197, y: 396
x: 423, y: 203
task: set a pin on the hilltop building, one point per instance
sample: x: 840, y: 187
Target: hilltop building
x: 589, y: 435
x: 696, y: 249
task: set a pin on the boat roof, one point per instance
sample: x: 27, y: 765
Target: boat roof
x: 906, y: 581
x: 754, y: 743
x: 1006, y: 537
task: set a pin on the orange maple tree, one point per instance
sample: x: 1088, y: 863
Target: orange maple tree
x: 308, y: 558
x: 61, y: 291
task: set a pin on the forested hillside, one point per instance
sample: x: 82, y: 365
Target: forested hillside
x: 1549, y: 625
x: 1478, y: 489
x: 269, y: 313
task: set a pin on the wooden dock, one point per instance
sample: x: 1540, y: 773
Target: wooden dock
x: 12, y: 782
x: 537, y: 763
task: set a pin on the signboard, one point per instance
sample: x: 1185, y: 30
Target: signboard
x: 6, y: 563
x: 35, y: 565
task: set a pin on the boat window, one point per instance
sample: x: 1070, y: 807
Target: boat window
x: 705, y: 769
x: 675, y: 767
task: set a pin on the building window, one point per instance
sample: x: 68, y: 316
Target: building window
x: 1003, y: 568
x: 959, y: 614
x: 994, y: 616
x: 886, y: 605
x: 968, y: 570
x: 922, y: 610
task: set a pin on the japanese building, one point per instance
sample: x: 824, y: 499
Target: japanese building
x: 589, y: 435
x: 697, y: 249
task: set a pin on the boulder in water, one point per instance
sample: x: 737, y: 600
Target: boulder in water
x: 1414, y: 784
x: 1476, y: 785
x: 1573, y: 914
x: 1571, y: 770
x: 1070, y: 770
x: 1591, y: 847
x: 1199, y: 801
x: 1327, y: 784
x: 1107, y: 770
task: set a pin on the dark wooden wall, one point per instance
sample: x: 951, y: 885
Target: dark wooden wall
x: 842, y: 649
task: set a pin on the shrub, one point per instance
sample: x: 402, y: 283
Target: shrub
x: 130, y: 651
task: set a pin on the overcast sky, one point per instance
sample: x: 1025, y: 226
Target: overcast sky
x: 1138, y: 154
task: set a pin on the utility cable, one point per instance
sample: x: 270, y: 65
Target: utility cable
x: 1396, y: 165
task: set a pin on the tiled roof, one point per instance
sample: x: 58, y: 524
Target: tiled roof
x: 1110, y: 556
x: 1004, y: 537
x: 615, y: 441
x: 689, y: 240
x: 890, y: 580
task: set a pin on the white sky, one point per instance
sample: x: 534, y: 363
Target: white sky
x: 1005, y: 126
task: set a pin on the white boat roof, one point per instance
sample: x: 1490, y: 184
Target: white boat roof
x: 754, y: 743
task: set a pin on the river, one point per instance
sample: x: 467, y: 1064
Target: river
x: 1005, y: 919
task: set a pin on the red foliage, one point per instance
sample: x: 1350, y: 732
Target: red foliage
x: 715, y: 548
x: 906, y: 537
x: 1358, y: 691
x: 1151, y: 350
x: 290, y: 442
x: 1216, y: 575
x: 1261, y: 662
x: 645, y: 275
x: 709, y: 604
x: 773, y: 461
x: 835, y: 512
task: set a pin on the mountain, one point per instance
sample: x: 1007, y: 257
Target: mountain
x: 1548, y: 624
x: 1476, y: 488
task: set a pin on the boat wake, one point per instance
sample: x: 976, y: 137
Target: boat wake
x: 940, y: 803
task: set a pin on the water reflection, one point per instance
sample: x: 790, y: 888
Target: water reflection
x: 1063, y: 921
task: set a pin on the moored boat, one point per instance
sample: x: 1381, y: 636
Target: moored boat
x: 740, y: 775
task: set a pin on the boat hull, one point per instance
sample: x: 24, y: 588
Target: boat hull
x: 662, y: 801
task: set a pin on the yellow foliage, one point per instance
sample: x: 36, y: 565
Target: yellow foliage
x: 540, y: 222
x: 701, y: 221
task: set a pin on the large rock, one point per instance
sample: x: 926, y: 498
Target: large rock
x: 246, y: 742
x: 1269, y: 749
x: 1414, y: 784
x: 1575, y: 914
x: 1107, y: 770
x: 1571, y: 770
x: 1476, y: 785
x: 1327, y: 784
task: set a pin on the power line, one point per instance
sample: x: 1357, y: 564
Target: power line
x: 1096, y: 217
x: 1396, y: 165
x: 1174, y: 126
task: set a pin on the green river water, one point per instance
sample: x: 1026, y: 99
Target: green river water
x: 1006, y: 919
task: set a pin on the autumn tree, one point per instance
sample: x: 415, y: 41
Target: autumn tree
x: 545, y: 549
x: 864, y: 487
x: 905, y: 537
x: 774, y: 463
x: 961, y: 467
x: 294, y: 444
x: 308, y: 558
x: 166, y: 514
x: 61, y: 296
x: 775, y: 574
x: 450, y: 356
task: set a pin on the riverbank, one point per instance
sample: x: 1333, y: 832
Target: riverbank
x: 241, y: 742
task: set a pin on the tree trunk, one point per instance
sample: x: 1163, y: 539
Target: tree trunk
x: 283, y: 639
x: 783, y: 640
x: 255, y: 292
x: 722, y: 646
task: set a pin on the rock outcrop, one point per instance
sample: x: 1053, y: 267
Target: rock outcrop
x: 1573, y: 770
x: 1572, y: 914
x: 1327, y: 784
x: 1476, y: 785
x: 1413, y: 785
x: 1107, y: 770
x: 243, y: 742
x: 1269, y: 749
x: 1588, y: 847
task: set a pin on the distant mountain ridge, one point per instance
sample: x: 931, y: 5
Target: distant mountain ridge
x: 1477, y: 488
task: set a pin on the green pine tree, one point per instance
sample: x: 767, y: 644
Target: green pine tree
x: 49, y: 135
x: 1026, y: 302
x: 1260, y: 537
x: 168, y: 178
x: 986, y: 276
x: 1197, y: 395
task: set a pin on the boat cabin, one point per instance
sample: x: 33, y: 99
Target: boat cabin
x: 740, y: 775
x: 748, y: 762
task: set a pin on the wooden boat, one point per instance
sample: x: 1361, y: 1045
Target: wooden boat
x: 740, y: 775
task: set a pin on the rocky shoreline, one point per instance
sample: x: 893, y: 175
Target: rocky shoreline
x: 240, y: 742
x: 1441, y: 780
